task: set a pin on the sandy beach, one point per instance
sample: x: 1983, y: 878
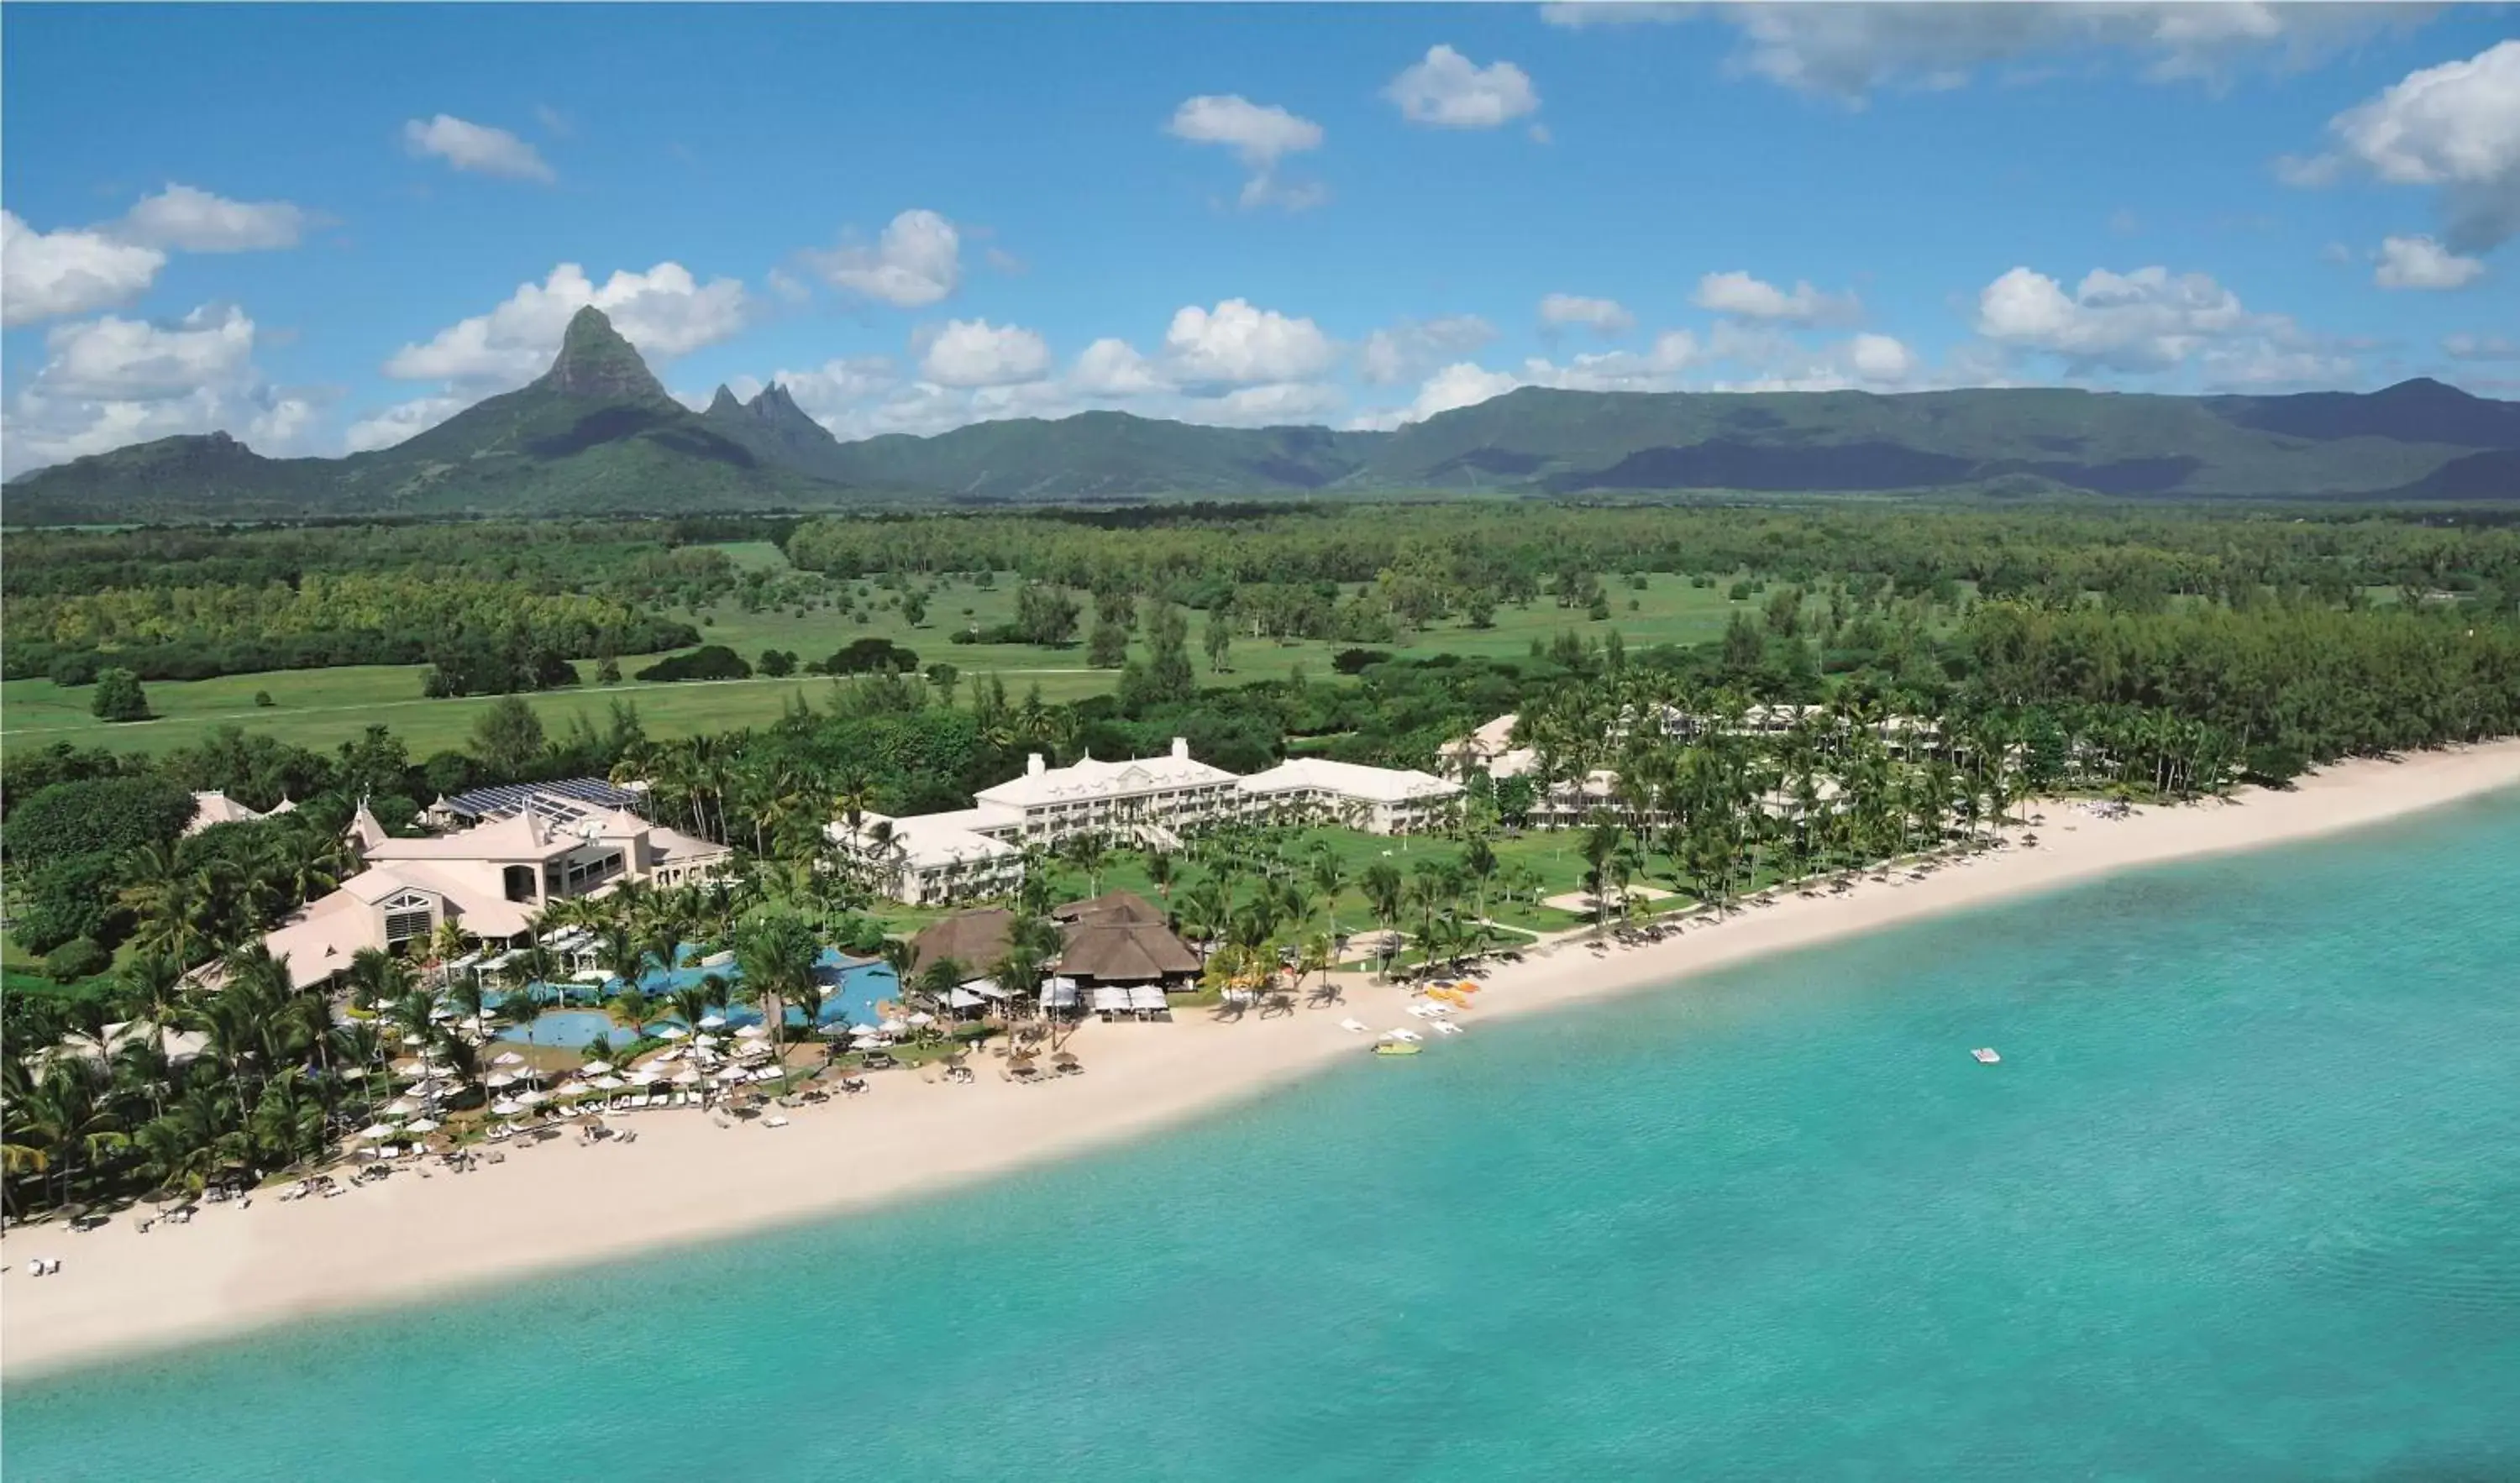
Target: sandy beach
x: 688, y: 1179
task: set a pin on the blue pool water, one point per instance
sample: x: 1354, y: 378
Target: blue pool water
x: 863, y: 985
x: 2239, y: 1203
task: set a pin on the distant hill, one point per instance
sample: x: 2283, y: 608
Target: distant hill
x: 598, y: 433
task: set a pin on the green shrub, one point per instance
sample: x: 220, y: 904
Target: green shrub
x: 97, y: 814
x: 118, y: 696
x: 77, y: 959
x: 716, y: 662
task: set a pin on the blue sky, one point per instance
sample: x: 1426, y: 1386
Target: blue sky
x: 326, y: 228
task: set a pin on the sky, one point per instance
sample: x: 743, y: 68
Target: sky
x: 324, y: 229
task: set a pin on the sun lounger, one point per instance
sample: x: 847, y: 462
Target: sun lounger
x: 774, y: 1122
x: 1353, y: 1026
x: 1447, y: 1027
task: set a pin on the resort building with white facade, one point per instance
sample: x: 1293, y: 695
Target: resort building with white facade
x: 978, y: 852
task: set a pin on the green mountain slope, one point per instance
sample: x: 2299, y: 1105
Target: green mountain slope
x: 598, y: 433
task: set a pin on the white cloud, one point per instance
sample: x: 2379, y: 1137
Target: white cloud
x: 44, y: 275
x: 475, y: 147
x: 383, y: 429
x: 2455, y: 128
x: 109, y: 381
x: 2146, y: 320
x: 1260, y: 135
x: 1112, y: 368
x: 972, y: 353
x: 830, y: 392
x: 2419, y: 262
x: 1412, y: 347
x: 1744, y: 296
x: 664, y: 311
x: 916, y: 261
x: 1604, y: 316
x: 2481, y: 347
x: 1273, y: 405
x: 1457, y: 386
x: 1850, y: 51
x: 1880, y: 359
x: 1235, y: 344
x: 197, y: 221
x: 1449, y: 91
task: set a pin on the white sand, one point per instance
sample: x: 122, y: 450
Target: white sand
x: 685, y: 1180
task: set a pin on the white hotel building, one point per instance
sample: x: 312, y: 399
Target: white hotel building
x: 978, y: 851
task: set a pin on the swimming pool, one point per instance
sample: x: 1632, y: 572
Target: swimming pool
x: 862, y: 985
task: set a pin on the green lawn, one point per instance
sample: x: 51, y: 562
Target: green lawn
x: 1556, y: 857
x: 323, y: 707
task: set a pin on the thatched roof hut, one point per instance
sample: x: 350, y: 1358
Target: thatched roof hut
x: 975, y: 939
x: 1124, y: 907
x: 1102, y: 950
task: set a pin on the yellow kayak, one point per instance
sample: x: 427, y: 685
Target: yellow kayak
x: 1395, y: 1048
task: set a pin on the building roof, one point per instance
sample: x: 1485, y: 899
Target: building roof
x: 930, y: 841
x: 1111, y: 906
x: 214, y: 808
x: 521, y: 837
x: 1350, y: 780
x: 1087, y: 779
x: 320, y: 940
x: 975, y: 939
x: 1106, y: 951
x: 564, y: 800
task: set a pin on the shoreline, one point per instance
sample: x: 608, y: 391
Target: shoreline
x: 687, y: 1180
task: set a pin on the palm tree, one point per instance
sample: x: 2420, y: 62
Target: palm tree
x: 1479, y: 859
x: 777, y: 954
x: 1328, y: 878
x: 1089, y: 853
x: 1383, y: 893
x: 1317, y: 955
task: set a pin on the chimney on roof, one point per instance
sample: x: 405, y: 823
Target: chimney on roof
x: 1033, y: 765
x: 1180, y: 749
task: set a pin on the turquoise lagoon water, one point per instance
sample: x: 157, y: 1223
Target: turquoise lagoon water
x: 2242, y: 1201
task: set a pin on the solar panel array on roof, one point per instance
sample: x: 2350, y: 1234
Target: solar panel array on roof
x: 565, y: 802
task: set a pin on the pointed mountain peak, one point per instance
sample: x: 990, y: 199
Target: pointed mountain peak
x: 775, y: 396
x: 595, y: 361
x: 724, y: 403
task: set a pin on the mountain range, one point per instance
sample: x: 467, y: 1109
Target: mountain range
x: 598, y: 433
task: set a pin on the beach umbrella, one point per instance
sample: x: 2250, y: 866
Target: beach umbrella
x: 374, y: 1131
x: 534, y: 1098
x: 892, y: 1027
x: 643, y: 1077
x: 507, y: 1058
x: 401, y: 1106
x: 704, y: 1040
x: 609, y: 1084
x: 713, y: 1022
x: 354, y: 1073
x: 922, y: 1017
x: 672, y: 1032
x: 686, y: 1077
x: 595, y: 1069
x: 422, y: 1125
x: 754, y: 1031
x: 507, y: 1107
x: 498, y: 1079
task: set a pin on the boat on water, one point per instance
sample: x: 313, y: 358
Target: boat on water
x: 1986, y: 1056
x: 1396, y: 1048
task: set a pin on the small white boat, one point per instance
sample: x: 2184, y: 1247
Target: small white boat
x: 1986, y: 1056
